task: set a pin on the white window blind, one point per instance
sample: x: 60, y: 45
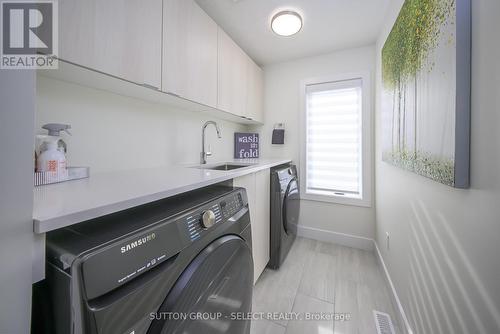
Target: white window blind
x: 333, y: 138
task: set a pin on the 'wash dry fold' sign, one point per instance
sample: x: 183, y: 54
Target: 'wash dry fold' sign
x: 246, y: 145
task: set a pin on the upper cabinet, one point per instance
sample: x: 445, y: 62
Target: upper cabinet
x: 255, y: 92
x: 232, y: 76
x: 118, y: 37
x: 240, y: 81
x: 189, y: 64
x: 172, y: 46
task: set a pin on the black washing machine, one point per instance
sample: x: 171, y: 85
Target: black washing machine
x: 285, y: 210
x: 180, y: 265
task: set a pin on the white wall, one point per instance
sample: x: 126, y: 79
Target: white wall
x: 281, y: 104
x: 112, y: 132
x: 445, y: 242
x: 17, y: 96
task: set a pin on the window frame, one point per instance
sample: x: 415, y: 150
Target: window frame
x: 366, y: 140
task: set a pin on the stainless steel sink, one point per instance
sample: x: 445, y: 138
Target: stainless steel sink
x: 223, y: 166
x: 227, y: 167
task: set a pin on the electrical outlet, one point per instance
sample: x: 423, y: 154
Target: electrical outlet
x: 387, y: 240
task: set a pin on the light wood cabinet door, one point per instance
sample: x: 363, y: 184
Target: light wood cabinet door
x: 248, y: 182
x: 255, y: 95
x: 262, y: 228
x: 258, y: 193
x: 232, y: 76
x: 117, y: 37
x: 189, y: 64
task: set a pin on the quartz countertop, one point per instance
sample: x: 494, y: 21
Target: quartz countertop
x: 72, y: 202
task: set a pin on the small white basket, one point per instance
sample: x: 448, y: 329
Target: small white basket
x: 71, y: 173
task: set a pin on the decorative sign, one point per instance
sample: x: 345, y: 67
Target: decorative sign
x: 246, y: 145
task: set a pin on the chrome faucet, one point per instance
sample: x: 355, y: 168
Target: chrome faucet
x: 204, y: 154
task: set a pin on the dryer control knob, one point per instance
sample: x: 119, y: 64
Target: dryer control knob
x: 208, y: 219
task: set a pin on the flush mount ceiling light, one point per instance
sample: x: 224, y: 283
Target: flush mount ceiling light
x: 286, y: 23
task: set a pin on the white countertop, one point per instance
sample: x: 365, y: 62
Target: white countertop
x: 67, y: 203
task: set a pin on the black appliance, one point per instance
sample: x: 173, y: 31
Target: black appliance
x: 180, y: 265
x: 285, y: 209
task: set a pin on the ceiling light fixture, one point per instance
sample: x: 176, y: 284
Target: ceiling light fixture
x: 286, y: 23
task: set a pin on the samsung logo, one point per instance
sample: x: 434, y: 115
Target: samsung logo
x: 138, y: 242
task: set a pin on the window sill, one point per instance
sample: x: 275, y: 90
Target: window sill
x: 344, y: 200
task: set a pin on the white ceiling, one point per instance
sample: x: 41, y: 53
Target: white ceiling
x: 329, y: 25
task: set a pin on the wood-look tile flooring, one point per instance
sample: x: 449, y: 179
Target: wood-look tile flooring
x: 319, y: 278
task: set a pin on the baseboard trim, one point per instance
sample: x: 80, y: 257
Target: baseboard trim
x: 344, y: 239
x: 402, y: 314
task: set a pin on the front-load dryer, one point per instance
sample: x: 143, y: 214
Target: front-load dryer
x: 180, y: 265
x: 285, y: 210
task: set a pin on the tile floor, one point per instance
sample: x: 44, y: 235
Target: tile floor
x: 319, y: 277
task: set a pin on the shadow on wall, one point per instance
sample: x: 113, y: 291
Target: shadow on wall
x: 445, y: 294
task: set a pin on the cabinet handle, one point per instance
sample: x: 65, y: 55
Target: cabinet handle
x: 150, y: 86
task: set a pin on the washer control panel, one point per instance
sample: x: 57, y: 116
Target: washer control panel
x: 200, y: 221
x: 230, y: 206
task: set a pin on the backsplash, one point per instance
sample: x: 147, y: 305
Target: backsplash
x: 112, y: 132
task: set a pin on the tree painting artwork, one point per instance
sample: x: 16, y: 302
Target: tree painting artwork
x: 426, y: 90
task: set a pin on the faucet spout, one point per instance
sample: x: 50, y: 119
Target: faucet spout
x: 204, y: 154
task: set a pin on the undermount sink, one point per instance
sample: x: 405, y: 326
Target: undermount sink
x: 227, y: 167
x: 223, y: 166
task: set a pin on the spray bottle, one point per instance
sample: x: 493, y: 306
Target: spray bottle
x: 50, y: 152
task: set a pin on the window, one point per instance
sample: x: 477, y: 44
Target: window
x: 335, y: 142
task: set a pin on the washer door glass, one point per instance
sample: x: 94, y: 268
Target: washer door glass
x: 291, y: 206
x: 214, y: 289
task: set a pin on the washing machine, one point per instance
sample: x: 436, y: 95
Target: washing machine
x: 180, y: 265
x: 285, y: 210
